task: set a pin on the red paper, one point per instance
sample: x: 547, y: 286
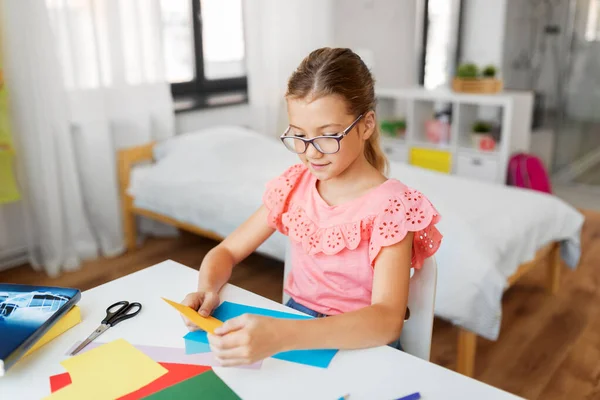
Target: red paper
x: 60, y: 381
x: 177, y: 373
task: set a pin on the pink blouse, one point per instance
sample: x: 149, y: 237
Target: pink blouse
x: 333, y: 248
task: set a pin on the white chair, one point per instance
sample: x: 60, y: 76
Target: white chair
x: 417, y: 330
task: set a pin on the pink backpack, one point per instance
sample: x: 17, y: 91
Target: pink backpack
x: 527, y: 171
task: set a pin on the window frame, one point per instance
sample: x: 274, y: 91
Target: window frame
x: 422, y: 56
x: 200, y: 86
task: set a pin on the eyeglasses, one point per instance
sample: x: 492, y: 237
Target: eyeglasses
x: 325, y: 144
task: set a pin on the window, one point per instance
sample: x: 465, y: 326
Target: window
x: 592, y: 31
x: 37, y: 301
x: 441, y: 37
x: 204, y: 46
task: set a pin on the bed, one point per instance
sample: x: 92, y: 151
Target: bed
x: 209, y: 181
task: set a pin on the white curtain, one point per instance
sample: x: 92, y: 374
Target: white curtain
x: 86, y: 78
x: 279, y: 34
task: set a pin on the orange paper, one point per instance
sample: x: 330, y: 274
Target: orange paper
x: 209, y: 324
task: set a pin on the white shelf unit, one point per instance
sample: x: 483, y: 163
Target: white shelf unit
x: 511, y: 109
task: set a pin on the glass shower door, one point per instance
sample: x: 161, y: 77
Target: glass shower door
x: 577, y: 146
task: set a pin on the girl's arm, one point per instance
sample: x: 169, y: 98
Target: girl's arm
x: 376, y: 325
x: 218, y: 263
x: 249, y: 338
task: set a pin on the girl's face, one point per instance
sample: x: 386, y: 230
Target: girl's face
x: 328, y: 116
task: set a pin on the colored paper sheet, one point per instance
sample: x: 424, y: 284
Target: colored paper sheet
x: 209, y: 324
x: 59, y: 381
x: 177, y: 373
x: 320, y: 358
x: 196, y: 347
x: 72, y: 392
x: 317, y: 358
x: 69, y: 320
x: 111, y: 370
x: 206, y: 386
x: 172, y: 354
x: 228, y: 310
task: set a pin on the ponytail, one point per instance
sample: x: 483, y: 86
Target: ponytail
x: 374, y: 153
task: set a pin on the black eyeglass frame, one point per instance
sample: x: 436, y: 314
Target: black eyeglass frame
x: 337, y: 137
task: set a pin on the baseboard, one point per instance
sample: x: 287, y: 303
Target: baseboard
x: 13, y: 257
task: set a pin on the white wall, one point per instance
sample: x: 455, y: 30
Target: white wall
x: 382, y: 31
x: 482, y: 39
x: 279, y: 34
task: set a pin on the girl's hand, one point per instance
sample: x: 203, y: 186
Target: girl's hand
x: 247, y: 339
x: 203, y: 302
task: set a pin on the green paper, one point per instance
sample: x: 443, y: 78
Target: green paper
x: 205, y: 386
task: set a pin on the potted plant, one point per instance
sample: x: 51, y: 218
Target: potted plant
x: 471, y: 79
x: 467, y: 71
x: 489, y: 71
x: 400, y: 127
x: 481, y: 136
x: 393, y: 128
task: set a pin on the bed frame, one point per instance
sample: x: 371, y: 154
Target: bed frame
x: 548, y: 256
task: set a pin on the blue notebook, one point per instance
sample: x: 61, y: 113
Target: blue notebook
x: 26, y: 314
x: 317, y: 358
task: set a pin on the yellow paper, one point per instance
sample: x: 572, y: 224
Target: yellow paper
x: 109, y: 371
x: 72, y: 392
x: 69, y: 320
x: 209, y: 324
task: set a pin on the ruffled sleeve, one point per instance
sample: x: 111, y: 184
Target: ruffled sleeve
x: 406, y: 212
x: 277, y: 194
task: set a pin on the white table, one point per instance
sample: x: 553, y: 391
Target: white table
x: 378, y: 373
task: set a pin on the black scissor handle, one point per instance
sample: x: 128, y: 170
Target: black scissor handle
x: 124, y: 310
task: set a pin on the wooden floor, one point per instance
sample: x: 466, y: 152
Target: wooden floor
x: 549, y: 346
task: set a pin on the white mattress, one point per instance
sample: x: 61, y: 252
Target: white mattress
x: 215, y: 179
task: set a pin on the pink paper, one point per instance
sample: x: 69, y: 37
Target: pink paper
x: 170, y: 355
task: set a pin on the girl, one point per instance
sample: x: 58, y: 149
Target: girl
x: 354, y: 234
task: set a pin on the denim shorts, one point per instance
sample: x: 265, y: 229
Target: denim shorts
x: 297, y: 306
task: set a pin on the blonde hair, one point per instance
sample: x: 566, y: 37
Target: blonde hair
x: 340, y: 71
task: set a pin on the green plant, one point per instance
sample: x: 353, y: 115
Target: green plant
x: 481, y: 127
x: 489, y: 71
x: 392, y: 127
x: 401, y: 125
x: 467, y: 70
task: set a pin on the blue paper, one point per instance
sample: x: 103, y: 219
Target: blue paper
x: 228, y: 310
x: 317, y: 358
x: 196, y: 346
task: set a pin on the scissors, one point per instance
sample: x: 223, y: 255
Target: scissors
x: 116, y: 313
